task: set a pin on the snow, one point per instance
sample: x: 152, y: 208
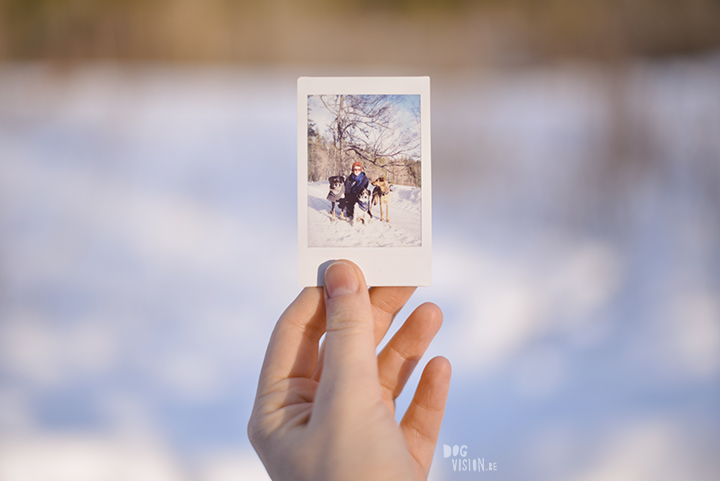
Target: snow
x: 403, y: 230
x: 149, y: 218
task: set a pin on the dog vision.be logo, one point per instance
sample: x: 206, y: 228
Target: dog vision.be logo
x: 460, y: 461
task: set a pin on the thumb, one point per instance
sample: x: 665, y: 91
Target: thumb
x: 349, y: 361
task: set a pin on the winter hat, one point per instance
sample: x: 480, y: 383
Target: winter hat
x: 357, y: 164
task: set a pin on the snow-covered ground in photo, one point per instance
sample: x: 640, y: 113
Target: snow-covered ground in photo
x: 403, y: 230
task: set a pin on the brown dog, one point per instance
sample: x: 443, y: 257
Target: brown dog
x: 381, y: 195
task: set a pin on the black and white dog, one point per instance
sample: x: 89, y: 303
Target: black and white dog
x: 362, y: 213
x: 337, y: 195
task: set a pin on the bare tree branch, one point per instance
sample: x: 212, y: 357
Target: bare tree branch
x: 383, y: 130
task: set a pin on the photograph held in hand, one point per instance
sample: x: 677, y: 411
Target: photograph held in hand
x: 363, y: 151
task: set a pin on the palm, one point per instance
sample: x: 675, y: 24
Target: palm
x: 287, y: 400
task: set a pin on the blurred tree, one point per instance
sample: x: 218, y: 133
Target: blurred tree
x: 427, y: 32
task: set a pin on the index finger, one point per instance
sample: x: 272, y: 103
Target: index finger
x: 386, y: 303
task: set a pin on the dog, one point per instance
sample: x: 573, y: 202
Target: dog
x: 337, y: 195
x: 381, y: 195
x: 361, y: 212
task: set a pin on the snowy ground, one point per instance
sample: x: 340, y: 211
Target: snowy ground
x: 143, y: 265
x: 404, y: 229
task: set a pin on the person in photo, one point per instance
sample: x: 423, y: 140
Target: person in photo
x: 355, y: 184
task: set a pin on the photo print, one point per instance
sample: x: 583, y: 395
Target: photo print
x: 364, y: 177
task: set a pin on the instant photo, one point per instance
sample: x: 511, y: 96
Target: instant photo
x: 364, y: 182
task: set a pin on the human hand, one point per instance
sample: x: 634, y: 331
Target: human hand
x: 328, y: 413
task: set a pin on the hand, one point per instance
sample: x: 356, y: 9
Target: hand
x: 328, y: 413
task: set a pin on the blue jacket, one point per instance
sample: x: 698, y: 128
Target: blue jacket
x: 355, y: 185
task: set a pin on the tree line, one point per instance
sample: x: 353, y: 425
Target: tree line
x: 380, y: 131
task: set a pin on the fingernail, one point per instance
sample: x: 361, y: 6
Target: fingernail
x: 340, y: 280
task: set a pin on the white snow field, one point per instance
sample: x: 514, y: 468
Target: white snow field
x: 148, y: 221
x: 403, y: 230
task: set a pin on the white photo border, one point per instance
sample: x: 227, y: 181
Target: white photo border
x: 382, y: 266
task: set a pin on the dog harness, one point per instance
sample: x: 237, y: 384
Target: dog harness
x: 333, y: 197
x: 363, y: 205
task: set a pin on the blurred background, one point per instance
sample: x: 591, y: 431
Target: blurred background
x: 576, y: 162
